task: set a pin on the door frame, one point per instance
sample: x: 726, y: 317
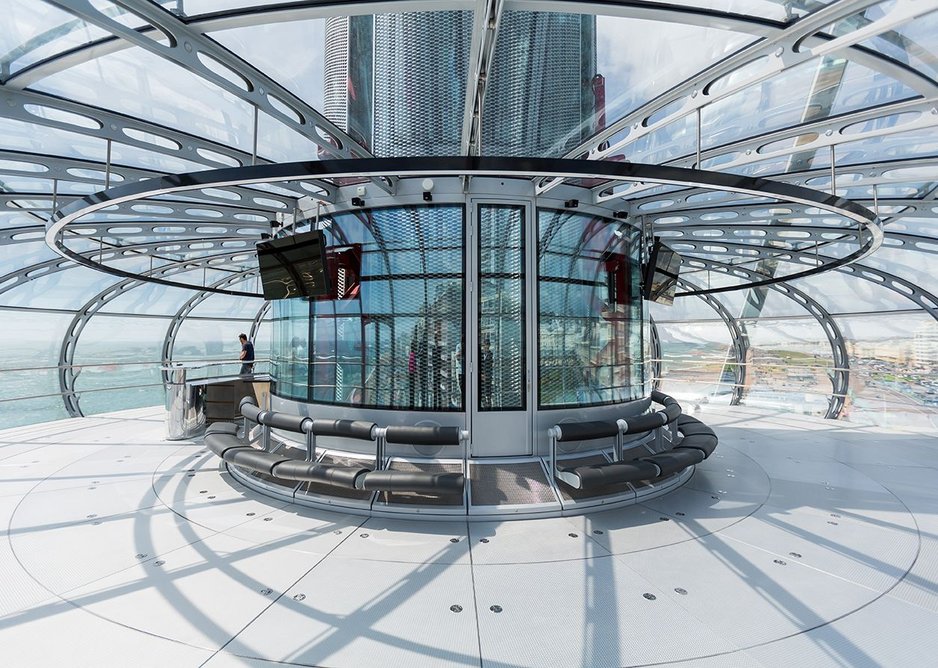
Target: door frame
x: 486, y: 425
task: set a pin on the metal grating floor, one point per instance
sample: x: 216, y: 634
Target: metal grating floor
x: 801, y: 541
x: 509, y: 484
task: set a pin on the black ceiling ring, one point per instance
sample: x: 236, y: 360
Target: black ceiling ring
x: 866, y: 220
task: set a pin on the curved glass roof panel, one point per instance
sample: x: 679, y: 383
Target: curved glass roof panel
x: 149, y: 299
x: 62, y: 290
x: 914, y: 44
x: 16, y: 256
x: 230, y: 306
x: 31, y: 138
x: 840, y: 292
x: 898, y: 146
x: 633, y: 61
x: 142, y: 84
x: 927, y: 227
x: 811, y: 91
x: 915, y: 267
x: 773, y: 10
x: 277, y: 142
x: 639, y: 59
x: 688, y: 308
x: 196, y: 7
x: 33, y: 31
x: 264, y: 45
x: 133, y: 156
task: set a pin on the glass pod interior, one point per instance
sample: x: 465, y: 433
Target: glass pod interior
x: 493, y: 311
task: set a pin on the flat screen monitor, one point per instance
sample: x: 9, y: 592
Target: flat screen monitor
x: 661, y: 272
x: 294, y: 266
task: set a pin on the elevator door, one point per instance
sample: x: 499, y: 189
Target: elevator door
x: 500, y: 378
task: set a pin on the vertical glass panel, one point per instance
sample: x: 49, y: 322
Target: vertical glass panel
x: 214, y: 340
x: 790, y: 365
x: 29, y: 386
x: 695, y: 355
x: 590, y: 324
x: 289, y: 358
x: 19, y: 412
x: 501, y: 308
x: 118, y: 363
x: 396, y: 340
x: 893, y: 370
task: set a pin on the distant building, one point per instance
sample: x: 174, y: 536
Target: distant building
x: 925, y: 346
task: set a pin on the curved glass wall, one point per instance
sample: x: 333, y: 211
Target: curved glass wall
x: 394, y: 343
x: 590, y: 317
x: 403, y: 338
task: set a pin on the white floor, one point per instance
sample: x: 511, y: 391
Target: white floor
x: 800, y: 542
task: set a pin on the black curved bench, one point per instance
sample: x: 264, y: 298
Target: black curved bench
x: 231, y: 449
x: 697, y: 436
x: 224, y: 442
x: 389, y: 480
x: 698, y: 443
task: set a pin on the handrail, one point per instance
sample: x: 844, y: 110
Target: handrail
x: 91, y: 365
x: 91, y: 389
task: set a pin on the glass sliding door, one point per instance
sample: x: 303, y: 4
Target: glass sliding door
x: 500, y: 359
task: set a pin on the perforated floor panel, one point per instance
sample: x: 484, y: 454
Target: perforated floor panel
x: 508, y: 484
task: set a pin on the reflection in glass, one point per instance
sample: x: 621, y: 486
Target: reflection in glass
x: 590, y: 323
x: 397, y: 342
x: 501, y: 308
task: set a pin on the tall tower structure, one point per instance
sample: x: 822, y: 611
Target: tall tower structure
x: 540, y: 100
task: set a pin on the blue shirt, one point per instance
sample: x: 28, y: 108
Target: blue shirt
x: 248, y: 349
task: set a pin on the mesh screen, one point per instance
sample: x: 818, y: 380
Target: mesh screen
x: 501, y: 308
x: 508, y: 484
x: 540, y: 98
x: 420, y: 56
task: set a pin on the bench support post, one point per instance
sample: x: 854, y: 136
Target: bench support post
x: 620, y: 439
x: 553, y: 433
x: 310, y: 446
x: 380, y: 446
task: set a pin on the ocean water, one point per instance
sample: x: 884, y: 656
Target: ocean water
x: 112, y: 378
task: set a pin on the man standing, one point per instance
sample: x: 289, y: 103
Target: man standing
x: 247, y: 355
